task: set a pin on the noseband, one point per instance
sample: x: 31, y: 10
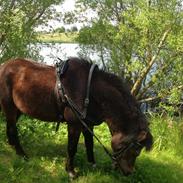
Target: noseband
x: 120, y: 153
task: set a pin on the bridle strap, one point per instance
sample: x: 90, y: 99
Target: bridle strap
x: 121, y: 151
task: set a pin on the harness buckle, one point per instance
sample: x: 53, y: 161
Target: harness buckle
x: 59, y: 85
x: 87, y: 101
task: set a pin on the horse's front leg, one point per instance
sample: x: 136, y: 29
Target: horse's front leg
x: 88, y: 137
x: 74, y: 132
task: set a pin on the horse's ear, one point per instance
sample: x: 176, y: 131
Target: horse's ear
x: 142, y: 136
x: 148, y: 142
x: 146, y: 139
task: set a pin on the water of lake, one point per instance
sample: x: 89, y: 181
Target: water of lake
x: 50, y: 52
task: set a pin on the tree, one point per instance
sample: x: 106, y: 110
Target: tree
x: 74, y: 29
x: 17, y: 26
x: 60, y: 30
x: 144, y: 40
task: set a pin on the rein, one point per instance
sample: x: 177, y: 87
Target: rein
x: 79, y: 116
x: 82, y: 115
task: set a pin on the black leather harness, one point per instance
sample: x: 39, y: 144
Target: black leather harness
x: 62, y: 97
x: 61, y: 68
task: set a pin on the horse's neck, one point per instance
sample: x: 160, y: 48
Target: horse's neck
x: 120, y: 112
x: 108, y: 101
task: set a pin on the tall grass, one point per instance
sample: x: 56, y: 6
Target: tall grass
x: 168, y: 134
x: 47, y: 152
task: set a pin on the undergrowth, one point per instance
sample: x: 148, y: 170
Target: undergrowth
x: 47, y: 152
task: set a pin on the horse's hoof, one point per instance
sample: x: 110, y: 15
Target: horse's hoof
x: 72, y: 175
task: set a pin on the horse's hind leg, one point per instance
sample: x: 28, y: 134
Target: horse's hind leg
x: 12, y: 114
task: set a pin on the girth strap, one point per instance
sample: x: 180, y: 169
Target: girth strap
x: 87, y: 101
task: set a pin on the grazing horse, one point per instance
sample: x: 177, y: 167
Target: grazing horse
x: 30, y: 88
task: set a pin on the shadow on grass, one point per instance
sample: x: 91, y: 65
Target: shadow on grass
x: 47, y: 164
x: 149, y: 169
x: 47, y: 149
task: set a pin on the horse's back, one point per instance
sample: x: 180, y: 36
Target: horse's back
x: 31, y: 88
x: 19, y: 63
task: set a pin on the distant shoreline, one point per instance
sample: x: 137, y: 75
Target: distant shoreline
x: 57, y: 37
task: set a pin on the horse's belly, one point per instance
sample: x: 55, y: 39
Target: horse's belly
x: 37, y: 104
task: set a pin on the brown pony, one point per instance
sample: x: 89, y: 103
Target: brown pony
x: 30, y: 88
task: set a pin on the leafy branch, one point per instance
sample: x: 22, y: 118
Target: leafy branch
x: 138, y: 82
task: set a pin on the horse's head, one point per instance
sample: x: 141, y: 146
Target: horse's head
x: 127, y: 149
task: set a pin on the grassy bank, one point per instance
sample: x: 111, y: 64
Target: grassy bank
x: 57, y: 37
x: 47, y: 152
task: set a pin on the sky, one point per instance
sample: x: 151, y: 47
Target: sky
x: 66, y: 6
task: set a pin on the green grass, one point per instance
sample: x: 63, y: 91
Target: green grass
x: 47, y: 152
x: 57, y: 37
